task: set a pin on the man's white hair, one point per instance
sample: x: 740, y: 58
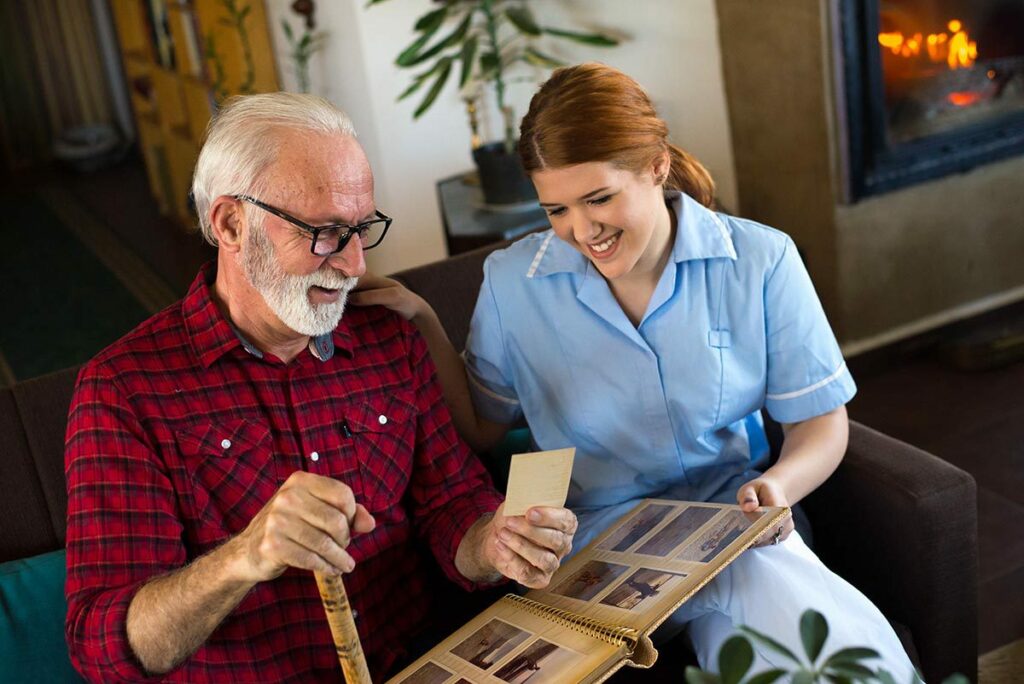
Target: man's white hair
x: 243, y: 139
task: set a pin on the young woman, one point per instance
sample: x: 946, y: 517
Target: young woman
x: 649, y: 331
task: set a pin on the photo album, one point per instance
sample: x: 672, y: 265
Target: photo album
x: 601, y: 606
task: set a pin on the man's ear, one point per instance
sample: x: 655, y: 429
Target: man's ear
x: 227, y: 221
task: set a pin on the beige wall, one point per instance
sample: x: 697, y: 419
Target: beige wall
x: 885, y: 267
x: 673, y: 51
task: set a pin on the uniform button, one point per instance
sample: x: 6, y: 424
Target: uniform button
x: 382, y: 419
x: 225, y: 443
x: 314, y: 456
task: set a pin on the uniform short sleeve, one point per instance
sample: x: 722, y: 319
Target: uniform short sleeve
x: 807, y: 376
x: 487, y: 364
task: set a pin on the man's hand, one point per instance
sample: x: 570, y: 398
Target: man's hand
x: 764, y: 491
x: 528, y: 548
x: 307, y: 524
x: 387, y: 292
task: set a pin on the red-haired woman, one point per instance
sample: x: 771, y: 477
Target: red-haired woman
x: 648, y: 331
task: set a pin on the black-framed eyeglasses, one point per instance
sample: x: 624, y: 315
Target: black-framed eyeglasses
x: 328, y: 240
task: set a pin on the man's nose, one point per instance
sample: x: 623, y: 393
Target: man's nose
x: 350, y: 259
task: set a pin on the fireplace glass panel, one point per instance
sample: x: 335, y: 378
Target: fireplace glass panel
x: 949, y: 64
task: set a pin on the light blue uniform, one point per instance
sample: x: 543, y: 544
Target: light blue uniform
x: 669, y: 408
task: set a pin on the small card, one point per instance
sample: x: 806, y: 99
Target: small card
x: 538, y: 479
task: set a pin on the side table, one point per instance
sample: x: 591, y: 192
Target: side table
x: 469, y: 223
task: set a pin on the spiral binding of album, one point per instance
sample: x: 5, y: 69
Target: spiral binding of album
x: 612, y: 634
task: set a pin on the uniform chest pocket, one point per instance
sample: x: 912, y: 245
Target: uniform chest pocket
x: 232, y: 473
x: 383, y: 434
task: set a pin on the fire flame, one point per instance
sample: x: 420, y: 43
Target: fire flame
x: 954, y: 48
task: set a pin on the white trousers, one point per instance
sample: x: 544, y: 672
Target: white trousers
x: 768, y: 589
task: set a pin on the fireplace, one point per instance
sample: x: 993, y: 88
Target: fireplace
x: 932, y: 87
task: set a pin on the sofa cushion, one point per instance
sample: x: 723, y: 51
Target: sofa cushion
x: 32, y: 609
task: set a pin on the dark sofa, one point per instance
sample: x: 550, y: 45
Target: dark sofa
x: 895, y: 521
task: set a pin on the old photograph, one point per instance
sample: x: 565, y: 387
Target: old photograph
x: 642, y: 588
x: 590, y: 580
x: 490, y: 643
x: 636, y: 527
x: 678, y: 529
x: 715, y: 539
x: 431, y: 673
x: 541, y: 662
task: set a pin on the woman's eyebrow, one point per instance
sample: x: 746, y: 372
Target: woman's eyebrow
x: 584, y: 197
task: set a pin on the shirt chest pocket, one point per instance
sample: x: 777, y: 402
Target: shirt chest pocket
x: 232, y: 474
x: 382, y: 430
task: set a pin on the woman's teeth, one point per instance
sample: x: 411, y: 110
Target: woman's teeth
x: 603, y: 246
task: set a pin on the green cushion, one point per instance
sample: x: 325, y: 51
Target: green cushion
x: 498, y: 459
x: 32, y: 608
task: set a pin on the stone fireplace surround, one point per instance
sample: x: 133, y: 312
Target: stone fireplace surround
x: 886, y: 267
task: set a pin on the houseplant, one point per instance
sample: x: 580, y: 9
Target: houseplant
x: 489, y: 43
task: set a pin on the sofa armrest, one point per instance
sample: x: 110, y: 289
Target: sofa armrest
x: 902, y: 526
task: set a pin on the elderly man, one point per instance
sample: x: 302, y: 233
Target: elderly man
x: 251, y: 433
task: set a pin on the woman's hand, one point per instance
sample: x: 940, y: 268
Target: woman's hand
x: 765, y: 491
x: 387, y: 292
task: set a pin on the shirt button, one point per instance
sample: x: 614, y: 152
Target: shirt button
x: 225, y: 443
x: 314, y: 456
x: 382, y: 419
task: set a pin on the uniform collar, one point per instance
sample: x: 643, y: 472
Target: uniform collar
x: 700, y: 234
x: 212, y: 335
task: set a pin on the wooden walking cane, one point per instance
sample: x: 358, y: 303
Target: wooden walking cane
x: 343, y: 628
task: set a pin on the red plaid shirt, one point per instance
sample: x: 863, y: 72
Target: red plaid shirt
x: 178, y: 436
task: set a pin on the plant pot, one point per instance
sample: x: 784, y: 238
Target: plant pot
x: 501, y: 175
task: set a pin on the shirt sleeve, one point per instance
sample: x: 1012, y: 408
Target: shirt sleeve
x: 807, y: 376
x: 122, y: 528
x: 450, y: 489
x: 487, y: 365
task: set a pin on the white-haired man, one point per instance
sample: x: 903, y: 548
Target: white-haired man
x: 251, y: 433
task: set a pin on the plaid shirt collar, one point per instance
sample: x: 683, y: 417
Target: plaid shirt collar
x: 212, y: 335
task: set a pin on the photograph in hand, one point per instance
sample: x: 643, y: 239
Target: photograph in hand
x: 490, y: 643
x: 590, y: 580
x: 636, y: 527
x: 677, y: 531
x: 724, y: 531
x: 541, y: 662
x: 643, y: 586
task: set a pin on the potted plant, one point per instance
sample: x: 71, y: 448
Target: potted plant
x: 487, y: 42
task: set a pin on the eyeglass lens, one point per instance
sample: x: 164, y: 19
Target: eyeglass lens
x: 370, y: 234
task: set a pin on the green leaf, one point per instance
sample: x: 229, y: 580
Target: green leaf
x: 598, y: 39
x: 769, y: 643
x: 803, y: 677
x: 850, y: 655
x: 430, y: 21
x: 767, y: 677
x: 522, y: 18
x: 695, y: 675
x: 813, y: 632
x: 307, y: 38
x: 287, y: 30
x: 734, y: 659
x: 406, y: 57
x: 851, y: 670
x: 452, y: 38
x: 489, y: 63
x: 436, y: 88
x: 420, y: 79
x: 885, y: 677
x: 537, y: 58
x: 468, y: 52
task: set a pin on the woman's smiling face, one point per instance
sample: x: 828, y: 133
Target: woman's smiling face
x: 614, y: 217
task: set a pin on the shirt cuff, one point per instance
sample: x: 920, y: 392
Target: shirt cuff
x: 490, y: 404
x: 101, y: 651
x: 463, y: 511
x: 813, y: 400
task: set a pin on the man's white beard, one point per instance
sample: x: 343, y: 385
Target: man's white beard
x: 288, y: 295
